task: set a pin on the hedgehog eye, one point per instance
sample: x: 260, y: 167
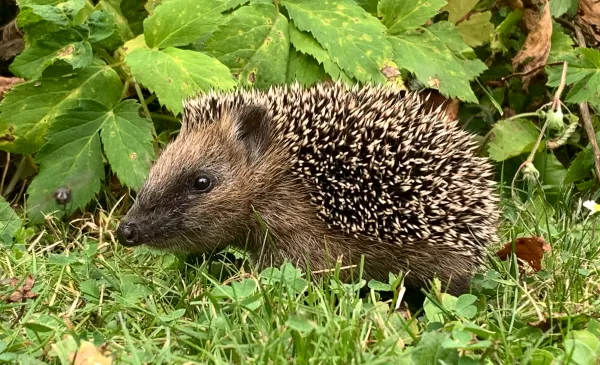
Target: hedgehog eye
x: 203, y: 184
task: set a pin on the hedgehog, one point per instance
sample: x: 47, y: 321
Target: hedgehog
x: 367, y: 177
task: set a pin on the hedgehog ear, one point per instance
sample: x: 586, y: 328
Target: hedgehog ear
x: 252, y: 128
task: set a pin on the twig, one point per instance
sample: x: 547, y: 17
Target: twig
x: 5, y: 171
x: 523, y: 73
x: 585, y: 114
x: 561, y: 87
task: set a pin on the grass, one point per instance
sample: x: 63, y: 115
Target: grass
x: 141, y: 307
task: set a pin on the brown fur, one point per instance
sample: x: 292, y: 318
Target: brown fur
x: 254, y: 182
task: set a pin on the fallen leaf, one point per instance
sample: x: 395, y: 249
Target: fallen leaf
x: 588, y: 18
x: 11, y: 41
x: 6, y: 83
x: 88, y: 354
x: 534, y: 53
x: 24, y: 292
x: 435, y: 100
x: 527, y: 249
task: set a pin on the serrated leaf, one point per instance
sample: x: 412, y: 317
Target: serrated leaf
x: 477, y: 30
x: 29, y: 108
x: 180, y: 22
x: 65, y: 45
x: 63, y: 13
x: 10, y: 222
x: 304, y: 69
x: 113, y: 7
x: 175, y: 74
x: 354, y: 39
x: 254, y: 44
x: 464, y: 306
x: 127, y: 140
x: 435, y: 62
x: 407, y: 14
x: 583, y: 74
x: 512, y: 138
x: 561, y: 44
x: 306, y: 44
x: 71, y: 159
x: 457, y: 9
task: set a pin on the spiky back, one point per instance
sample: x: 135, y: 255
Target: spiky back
x: 380, y: 164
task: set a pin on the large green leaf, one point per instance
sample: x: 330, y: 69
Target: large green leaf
x: 175, y: 74
x: 407, y: 14
x: 306, y: 44
x: 180, y: 22
x: 435, y: 60
x: 72, y: 158
x: 254, y: 44
x: 127, y: 140
x: 581, y: 166
x: 354, y: 39
x: 457, y: 9
x: 512, y: 138
x: 29, y: 108
x: 61, y: 13
x: 477, y: 30
x: 65, y: 45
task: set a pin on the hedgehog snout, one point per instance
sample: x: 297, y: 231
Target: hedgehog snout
x: 128, y: 234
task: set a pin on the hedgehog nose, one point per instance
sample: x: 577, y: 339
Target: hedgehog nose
x: 128, y: 234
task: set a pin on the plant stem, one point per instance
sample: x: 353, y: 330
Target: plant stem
x: 16, y: 177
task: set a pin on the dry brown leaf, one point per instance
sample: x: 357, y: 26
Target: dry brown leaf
x: 535, y: 50
x: 450, y: 106
x: 6, y: 83
x: 588, y: 18
x: 24, y: 292
x: 11, y: 41
x: 88, y: 354
x: 527, y: 249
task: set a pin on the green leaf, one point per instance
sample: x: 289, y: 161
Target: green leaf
x: 370, y: 6
x: 580, y: 167
x: 127, y: 140
x: 402, y: 15
x: 113, y: 7
x: 71, y: 159
x: 429, y: 350
x: 561, y: 44
x: 254, y: 44
x: 181, y: 22
x: 501, y: 35
x: 64, y: 45
x: 300, y: 324
x: 173, y: 315
x: 464, y: 306
x: 354, y: 39
x: 100, y: 26
x: 582, y: 348
x: 10, y: 222
x: 306, y: 44
x: 457, y: 9
x: 583, y: 74
x: 436, y: 62
x: 29, y: 108
x: 379, y: 286
x: 512, y: 138
x: 477, y: 30
x: 63, y: 13
x: 175, y: 74
x: 552, y: 172
x: 560, y: 7
x: 304, y: 69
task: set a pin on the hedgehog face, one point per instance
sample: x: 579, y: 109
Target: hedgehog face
x: 197, y: 197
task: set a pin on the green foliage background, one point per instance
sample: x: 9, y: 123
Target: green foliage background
x: 105, y: 79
